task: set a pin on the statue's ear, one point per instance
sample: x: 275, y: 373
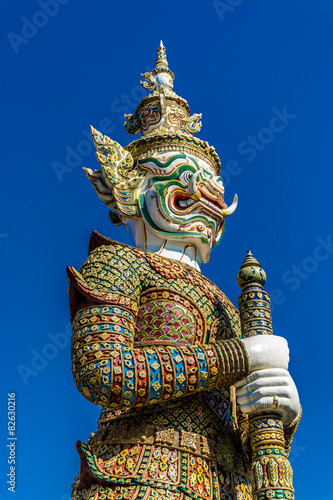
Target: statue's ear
x: 104, y: 192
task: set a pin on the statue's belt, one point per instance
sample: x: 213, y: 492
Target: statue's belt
x: 153, y: 435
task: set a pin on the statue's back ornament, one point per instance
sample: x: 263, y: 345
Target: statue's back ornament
x: 158, y: 345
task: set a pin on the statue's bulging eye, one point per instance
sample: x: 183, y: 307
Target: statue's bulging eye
x: 186, y: 176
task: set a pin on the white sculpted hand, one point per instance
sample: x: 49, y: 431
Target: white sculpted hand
x: 269, y: 386
x: 267, y: 351
x: 258, y: 391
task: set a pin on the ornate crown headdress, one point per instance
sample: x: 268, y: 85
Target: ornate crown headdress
x: 164, y: 120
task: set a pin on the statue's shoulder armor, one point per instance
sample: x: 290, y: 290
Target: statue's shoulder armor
x: 111, y: 269
x: 98, y: 240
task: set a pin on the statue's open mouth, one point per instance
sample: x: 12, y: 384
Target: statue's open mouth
x: 183, y: 202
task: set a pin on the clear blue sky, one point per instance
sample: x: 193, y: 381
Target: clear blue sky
x: 80, y: 64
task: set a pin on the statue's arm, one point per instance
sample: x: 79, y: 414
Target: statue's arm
x: 110, y: 371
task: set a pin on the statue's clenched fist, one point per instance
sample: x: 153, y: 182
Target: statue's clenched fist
x: 270, y: 389
x: 269, y: 386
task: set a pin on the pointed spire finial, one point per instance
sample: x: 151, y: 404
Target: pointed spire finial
x: 161, y: 76
x: 251, y: 271
x: 161, y: 61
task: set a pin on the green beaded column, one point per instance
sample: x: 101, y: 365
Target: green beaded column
x: 271, y: 468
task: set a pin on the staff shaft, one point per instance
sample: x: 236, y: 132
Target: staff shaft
x: 271, y: 468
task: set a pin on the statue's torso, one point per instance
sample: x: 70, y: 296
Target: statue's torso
x: 191, y: 445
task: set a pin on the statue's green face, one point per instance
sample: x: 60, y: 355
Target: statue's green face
x: 182, y: 200
x: 177, y: 197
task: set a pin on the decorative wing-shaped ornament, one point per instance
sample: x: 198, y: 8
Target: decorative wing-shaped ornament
x: 119, y: 179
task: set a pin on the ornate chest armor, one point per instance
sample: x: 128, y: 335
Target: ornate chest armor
x: 167, y: 317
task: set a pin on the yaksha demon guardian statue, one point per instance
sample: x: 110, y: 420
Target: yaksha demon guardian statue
x: 158, y: 345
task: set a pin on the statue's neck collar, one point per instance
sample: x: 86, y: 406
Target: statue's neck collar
x: 185, y: 254
x: 144, y: 238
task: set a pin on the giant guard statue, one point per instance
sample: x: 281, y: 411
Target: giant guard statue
x: 195, y: 404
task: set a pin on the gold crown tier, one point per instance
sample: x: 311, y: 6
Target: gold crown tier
x: 187, y: 144
x: 173, y: 98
